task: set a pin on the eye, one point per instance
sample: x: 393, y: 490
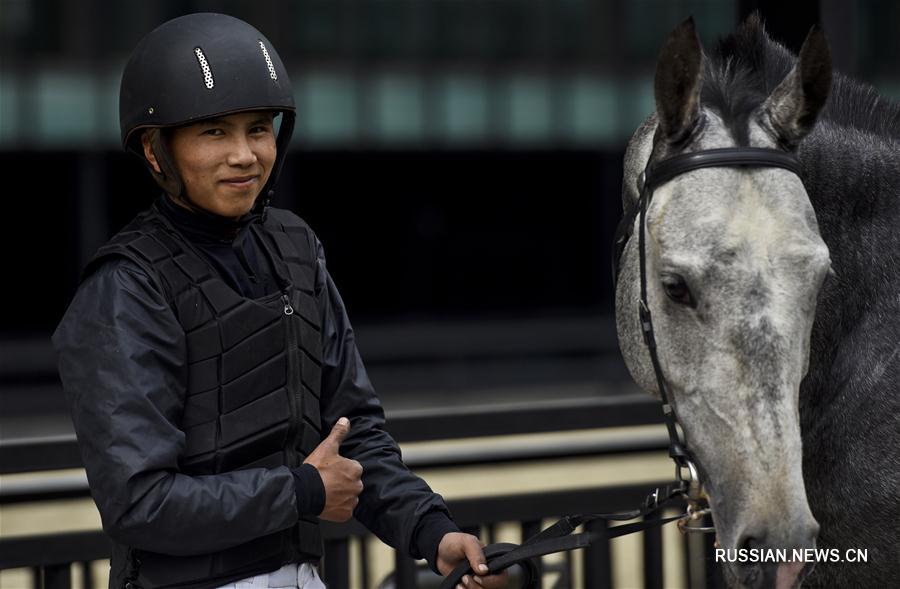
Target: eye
x: 215, y: 132
x: 677, y: 289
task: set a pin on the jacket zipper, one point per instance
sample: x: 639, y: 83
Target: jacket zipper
x: 288, y: 309
x: 293, y: 386
x: 293, y: 383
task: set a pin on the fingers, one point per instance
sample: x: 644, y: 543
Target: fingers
x: 492, y: 581
x: 357, y: 475
x: 475, y: 555
x: 457, y: 547
x: 356, y: 469
x: 473, y: 549
x: 497, y: 581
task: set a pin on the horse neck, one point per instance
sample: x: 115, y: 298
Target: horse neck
x: 853, y: 181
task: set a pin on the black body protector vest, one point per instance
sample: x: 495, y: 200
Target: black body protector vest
x: 253, y: 389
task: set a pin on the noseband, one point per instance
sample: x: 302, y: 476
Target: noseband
x: 654, y: 176
x: 559, y: 536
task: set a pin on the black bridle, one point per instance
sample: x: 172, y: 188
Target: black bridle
x: 559, y: 536
x: 654, y: 176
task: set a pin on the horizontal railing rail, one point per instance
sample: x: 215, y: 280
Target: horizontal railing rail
x: 50, y: 555
x: 496, y: 419
x: 76, y: 485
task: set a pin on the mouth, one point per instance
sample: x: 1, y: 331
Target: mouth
x: 240, y: 181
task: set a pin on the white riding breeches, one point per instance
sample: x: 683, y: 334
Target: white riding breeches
x: 290, y: 576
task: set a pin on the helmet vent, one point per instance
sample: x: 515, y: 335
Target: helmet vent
x: 265, y: 53
x: 207, y: 73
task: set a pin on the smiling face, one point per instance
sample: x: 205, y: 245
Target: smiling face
x: 223, y: 162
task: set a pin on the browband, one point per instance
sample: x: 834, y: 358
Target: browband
x: 664, y: 170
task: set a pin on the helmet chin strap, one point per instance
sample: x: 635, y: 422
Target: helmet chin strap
x: 261, y: 206
x: 168, y: 177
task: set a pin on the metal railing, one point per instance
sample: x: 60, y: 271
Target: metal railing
x: 495, y: 419
x: 50, y: 555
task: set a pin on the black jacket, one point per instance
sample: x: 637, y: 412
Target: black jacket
x: 122, y: 361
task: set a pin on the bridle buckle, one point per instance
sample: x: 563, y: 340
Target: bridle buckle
x: 697, y: 502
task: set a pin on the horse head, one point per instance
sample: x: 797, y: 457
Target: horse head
x: 734, y: 265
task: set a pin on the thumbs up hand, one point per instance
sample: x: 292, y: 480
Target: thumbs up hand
x: 341, y: 476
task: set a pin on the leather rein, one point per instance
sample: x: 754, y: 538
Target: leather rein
x: 559, y: 536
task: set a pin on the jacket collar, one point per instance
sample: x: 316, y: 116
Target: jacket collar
x: 202, y: 226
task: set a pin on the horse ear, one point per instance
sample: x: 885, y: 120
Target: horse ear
x: 793, y: 106
x: 678, y: 82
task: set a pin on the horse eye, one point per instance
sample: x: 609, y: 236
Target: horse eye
x: 677, y: 289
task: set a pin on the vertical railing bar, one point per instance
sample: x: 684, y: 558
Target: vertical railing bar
x: 87, y: 575
x: 404, y: 571
x: 653, y: 554
x: 597, y: 562
x: 570, y: 570
x: 58, y: 576
x: 364, y: 561
x: 337, y: 563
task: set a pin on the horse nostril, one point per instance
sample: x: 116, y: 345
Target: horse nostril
x: 748, y: 542
x: 801, y: 534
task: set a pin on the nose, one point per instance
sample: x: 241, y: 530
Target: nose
x: 776, y: 557
x: 241, y: 154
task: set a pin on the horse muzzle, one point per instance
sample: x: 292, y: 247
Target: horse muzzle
x: 767, y: 558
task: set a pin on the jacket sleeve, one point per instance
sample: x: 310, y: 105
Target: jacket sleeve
x: 122, y: 360
x: 394, y: 501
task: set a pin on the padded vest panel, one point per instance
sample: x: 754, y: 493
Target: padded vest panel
x: 253, y: 377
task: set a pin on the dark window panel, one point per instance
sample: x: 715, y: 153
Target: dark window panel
x: 40, y: 240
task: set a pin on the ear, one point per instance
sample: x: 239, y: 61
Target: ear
x: 678, y: 82
x: 148, y: 151
x: 793, y: 106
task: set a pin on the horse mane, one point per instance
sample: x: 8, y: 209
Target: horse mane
x: 745, y: 67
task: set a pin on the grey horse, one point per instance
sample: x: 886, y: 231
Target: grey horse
x: 776, y: 304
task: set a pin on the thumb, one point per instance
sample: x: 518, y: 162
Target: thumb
x: 338, y: 433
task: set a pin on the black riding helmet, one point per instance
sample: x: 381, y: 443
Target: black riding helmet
x: 197, y: 67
